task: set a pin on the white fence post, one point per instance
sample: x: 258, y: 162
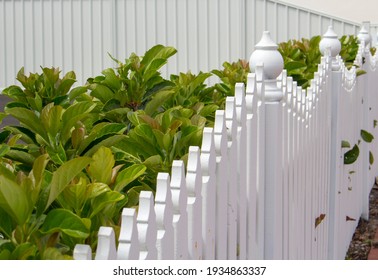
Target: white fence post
x: 266, y: 53
x: 333, y: 45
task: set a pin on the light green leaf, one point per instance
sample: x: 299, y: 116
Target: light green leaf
x: 29, y: 119
x: 62, y: 220
x: 102, y: 165
x: 128, y: 175
x: 64, y: 175
x: 158, y: 100
x: 98, y: 132
x: 25, y: 251
x: 37, y: 175
x: 103, y: 93
x: 108, y: 142
x: 345, y: 144
x: 103, y: 200
x: 14, y: 200
x: 76, y: 92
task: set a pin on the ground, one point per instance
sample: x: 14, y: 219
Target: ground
x: 363, y: 238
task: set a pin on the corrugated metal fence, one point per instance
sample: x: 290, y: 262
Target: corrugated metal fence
x: 78, y: 34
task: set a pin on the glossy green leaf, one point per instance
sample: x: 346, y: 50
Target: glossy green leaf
x: 102, y: 92
x: 21, y: 156
x: 366, y: 136
x: 98, y: 132
x: 25, y: 251
x: 37, y: 173
x: 108, y: 142
x: 14, y: 200
x: 62, y: 220
x: 64, y: 174
x: 371, y: 158
x: 104, y: 200
x: 128, y: 175
x: 7, y: 224
x: 76, y: 92
x: 57, y: 155
x: 29, y: 119
x: 101, y: 167
x: 352, y: 155
x: 158, y: 100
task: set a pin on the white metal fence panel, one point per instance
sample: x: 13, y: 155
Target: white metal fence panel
x: 78, y: 34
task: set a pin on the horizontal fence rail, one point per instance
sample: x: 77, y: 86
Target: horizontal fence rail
x: 269, y: 180
x: 78, y: 34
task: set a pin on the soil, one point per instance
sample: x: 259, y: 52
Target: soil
x: 363, y: 237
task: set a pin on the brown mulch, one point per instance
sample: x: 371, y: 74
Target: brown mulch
x: 363, y: 237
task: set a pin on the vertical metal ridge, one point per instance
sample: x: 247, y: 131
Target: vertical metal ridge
x: 52, y: 34
x: 5, y: 72
x: 23, y: 34
x: 64, y: 68
x: 91, y: 32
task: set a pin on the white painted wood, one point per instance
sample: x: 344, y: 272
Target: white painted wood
x: 147, y: 228
x: 252, y: 163
x: 164, y: 217
x: 241, y: 116
x: 220, y: 141
x: 232, y: 155
x: 106, y: 247
x: 82, y: 252
x: 180, y: 215
x: 128, y: 247
x: 208, y: 165
x: 194, y: 204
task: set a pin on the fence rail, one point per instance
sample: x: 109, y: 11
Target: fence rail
x: 269, y: 180
x: 78, y: 34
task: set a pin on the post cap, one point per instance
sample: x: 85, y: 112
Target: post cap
x: 266, y: 53
x: 330, y: 41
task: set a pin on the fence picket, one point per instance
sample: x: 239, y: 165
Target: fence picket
x: 194, y: 204
x: 82, y: 252
x: 208, y: 165
x: 241, y: 117
x: 180, y: 215
x: 232, y: 155
x: 164, y: 217
x: 106, y: 246
x: 128, y: 247
x: 147, y: 229
x: 220, y: 141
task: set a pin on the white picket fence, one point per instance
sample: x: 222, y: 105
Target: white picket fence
x: 269, y: 180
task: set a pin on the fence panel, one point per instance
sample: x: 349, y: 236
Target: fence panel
x: 78, y: 34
